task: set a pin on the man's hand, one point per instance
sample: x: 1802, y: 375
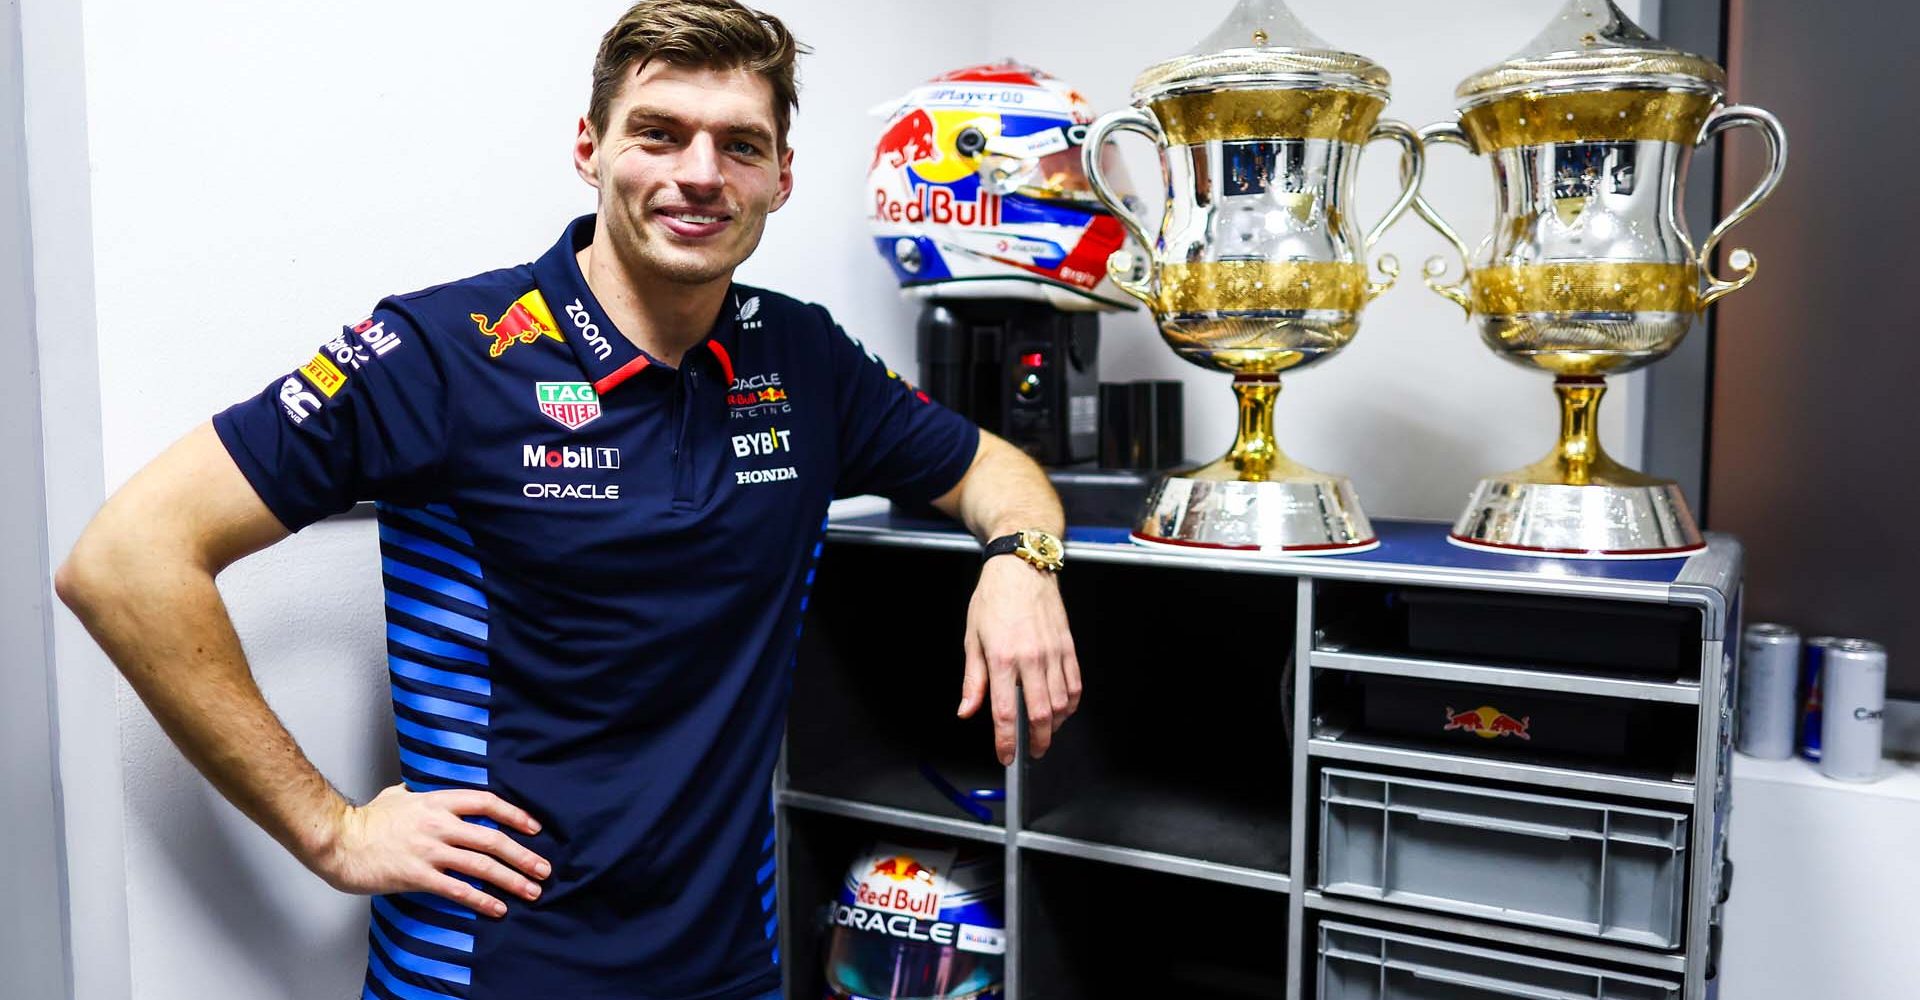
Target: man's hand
x: 406, y: 841
x: 1017, y: 640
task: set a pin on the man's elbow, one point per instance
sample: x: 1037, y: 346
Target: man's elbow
x: 81, y: 577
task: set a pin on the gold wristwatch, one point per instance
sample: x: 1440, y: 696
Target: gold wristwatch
x: 1041, y: 550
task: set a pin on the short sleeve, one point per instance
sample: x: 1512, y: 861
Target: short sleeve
x: 894, y: 439
x: 363, y: 419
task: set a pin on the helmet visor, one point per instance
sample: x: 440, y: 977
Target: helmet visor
x: 889, y: 968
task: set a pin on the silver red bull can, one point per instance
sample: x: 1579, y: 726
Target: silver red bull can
x: 1769, y: 678
x: 1808, y: 694
x: 1853, y: 700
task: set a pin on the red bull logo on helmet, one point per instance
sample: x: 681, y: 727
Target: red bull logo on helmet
x: 900, y: 884
x: 1488, y: 723
x: 524, y: 322
x: 936, y: 204
x: 907, y: 141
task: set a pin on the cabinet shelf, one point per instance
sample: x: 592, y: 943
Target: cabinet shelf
x: 1252, y: 878
x: 1204, y: 823
x: 1678, y: 693
x: 904, y: 818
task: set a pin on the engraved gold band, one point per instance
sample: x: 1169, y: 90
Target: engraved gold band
x: 1529, y: 119
x: 1253, y: 285
x: 1267, y: 114
x: 1586, y: 286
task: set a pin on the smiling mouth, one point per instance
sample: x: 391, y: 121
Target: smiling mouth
x: 695, y: 218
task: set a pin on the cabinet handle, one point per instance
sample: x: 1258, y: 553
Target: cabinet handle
x: 1489, y: 823
x: 1489, y: 985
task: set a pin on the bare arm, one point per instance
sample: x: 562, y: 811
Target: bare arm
x: 1017, y: 638
x: 141, y: 580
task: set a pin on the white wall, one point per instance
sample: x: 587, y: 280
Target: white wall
x: 32, y: 925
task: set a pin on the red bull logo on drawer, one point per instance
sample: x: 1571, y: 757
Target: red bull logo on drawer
x: 1488, y: 722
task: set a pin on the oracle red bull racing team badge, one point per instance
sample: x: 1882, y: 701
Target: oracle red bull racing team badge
x: 1488, y: 723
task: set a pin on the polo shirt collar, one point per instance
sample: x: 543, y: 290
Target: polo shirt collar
x: 561, y: 283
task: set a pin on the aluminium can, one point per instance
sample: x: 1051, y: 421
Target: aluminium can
x: 1808, y: 694
x: 1853, y: 700
x: 1769, y: 681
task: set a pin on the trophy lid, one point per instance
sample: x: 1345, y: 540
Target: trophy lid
x: 1262, y: 43
x: 1590, y: 44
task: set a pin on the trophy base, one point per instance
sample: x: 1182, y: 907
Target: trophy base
x: 1510, y: 516
x: 1302, y: 515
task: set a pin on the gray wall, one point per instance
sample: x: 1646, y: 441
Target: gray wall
x: 32, y: 938
x: 1814, y: 366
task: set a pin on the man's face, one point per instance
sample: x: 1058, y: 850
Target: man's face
x: 687, y: 170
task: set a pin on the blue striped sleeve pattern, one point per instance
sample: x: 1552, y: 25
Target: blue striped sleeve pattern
x: 421, y: 945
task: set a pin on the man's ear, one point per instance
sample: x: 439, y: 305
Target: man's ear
x: 586, y: 154
x: 786, y: 179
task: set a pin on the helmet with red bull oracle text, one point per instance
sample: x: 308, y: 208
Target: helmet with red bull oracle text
x: 918, y: 923
x: 976, y: 191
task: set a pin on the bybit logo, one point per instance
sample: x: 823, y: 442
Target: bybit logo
x: 765, y: 442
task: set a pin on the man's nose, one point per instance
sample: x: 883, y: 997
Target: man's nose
x: 698, y: 169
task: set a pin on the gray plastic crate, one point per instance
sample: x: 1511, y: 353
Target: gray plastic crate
x: 1607, y: 871
x: 1363, y: 963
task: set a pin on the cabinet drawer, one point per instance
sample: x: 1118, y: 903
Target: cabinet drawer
x: 1601, y: 870
x: 1365, y: 963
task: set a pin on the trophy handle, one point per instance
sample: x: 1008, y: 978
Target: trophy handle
x: 1741, y: 259
x: 1446, y: 134
x: 1120, y: 263
x: 1413, y: 167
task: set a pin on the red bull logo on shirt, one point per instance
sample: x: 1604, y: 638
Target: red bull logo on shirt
x: 524, y: 322
x: 1488, y: 723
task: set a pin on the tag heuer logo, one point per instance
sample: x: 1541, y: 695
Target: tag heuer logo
x: 572, y: 404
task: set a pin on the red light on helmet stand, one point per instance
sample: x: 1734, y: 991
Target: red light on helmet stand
x: 1033, y: 360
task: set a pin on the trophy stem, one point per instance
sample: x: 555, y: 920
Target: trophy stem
x: 1577, y: 458
x: 1256, y: 452
x: 1579, y: 448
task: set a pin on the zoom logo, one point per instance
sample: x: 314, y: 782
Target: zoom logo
x: 583, y: 322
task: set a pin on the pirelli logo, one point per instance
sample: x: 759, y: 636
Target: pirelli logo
x: 324, y: 374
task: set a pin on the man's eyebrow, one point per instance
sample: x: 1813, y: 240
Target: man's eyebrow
x: 640, y: 116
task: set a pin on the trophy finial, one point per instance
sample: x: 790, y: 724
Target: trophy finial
x: 1258, y: 24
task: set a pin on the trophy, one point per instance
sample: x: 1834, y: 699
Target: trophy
x: 1589, y: 270
x: 1258, y: 267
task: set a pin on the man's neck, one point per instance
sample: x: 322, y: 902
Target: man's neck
x: 663, y: 318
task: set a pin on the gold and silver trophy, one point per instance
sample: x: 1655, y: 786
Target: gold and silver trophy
x: 1258, y: 267
x: 1589, y: 270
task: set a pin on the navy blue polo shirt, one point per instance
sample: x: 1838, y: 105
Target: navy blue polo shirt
x: 595, y: 569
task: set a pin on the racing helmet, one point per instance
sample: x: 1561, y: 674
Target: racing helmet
x: 918, y: 923
x: 976, y: 190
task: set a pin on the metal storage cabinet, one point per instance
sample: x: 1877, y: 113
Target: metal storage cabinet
x: 1418, y: 772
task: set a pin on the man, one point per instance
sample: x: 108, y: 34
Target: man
x: 602, y: 479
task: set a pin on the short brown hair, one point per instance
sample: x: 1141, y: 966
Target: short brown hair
x: 702, y: 34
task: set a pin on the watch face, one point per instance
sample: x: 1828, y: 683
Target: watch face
x: 1043, y: 547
